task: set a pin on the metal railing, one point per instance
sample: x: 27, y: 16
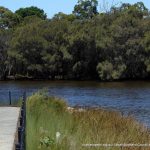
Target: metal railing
x: 21, y: 145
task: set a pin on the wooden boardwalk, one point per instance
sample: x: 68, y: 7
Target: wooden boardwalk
x: 8, y: 127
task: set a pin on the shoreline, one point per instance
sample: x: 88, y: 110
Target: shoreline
x: 78, y: 125
x: 76, y: 80
x: 107, y: 110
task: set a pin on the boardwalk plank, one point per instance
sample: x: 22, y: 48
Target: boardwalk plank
x: 8, y: 125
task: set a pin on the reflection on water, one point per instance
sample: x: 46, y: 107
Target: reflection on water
x: 127, y: 97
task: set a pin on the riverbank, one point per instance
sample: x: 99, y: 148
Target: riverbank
x: 50, y: 124
x: 58, y: 78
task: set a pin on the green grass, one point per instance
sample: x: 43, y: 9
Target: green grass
x: 47, y: 116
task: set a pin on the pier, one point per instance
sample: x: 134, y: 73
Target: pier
x: 8, y: 127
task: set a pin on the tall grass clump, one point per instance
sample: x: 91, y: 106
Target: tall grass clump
x: 52, y: 126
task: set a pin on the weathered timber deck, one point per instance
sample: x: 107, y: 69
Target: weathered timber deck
x: 8, y: 127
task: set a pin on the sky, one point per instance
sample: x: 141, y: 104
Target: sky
x: 52, y: 7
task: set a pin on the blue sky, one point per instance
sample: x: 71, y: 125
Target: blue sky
x: 52, y: 7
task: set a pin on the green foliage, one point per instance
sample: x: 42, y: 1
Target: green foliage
x: 31, y: 11
x: 147, y: 63
x: 26, y: 47
x: 83, y: 45
x: 60, y: 16
x: 146, y: 46
x: 46, y: 142
x: 85, y: 9
x: 146, y: 42
x: 8, y: 19
x: 5, y: 66
x: 105, y: 70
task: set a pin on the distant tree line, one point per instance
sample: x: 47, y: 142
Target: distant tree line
x: 84, y: 45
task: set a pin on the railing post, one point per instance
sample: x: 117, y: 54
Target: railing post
x: 10, y: 98
x: 25, y: 99
x: 19, y: 134
x: 21, y: 130
x: 17, y: 146
x: 21, y: 121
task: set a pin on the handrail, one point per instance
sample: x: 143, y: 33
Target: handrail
x: 21, y: 145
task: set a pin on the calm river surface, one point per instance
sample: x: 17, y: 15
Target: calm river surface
x: 128, y: 97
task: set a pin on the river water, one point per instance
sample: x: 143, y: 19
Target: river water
x: 127, y: 97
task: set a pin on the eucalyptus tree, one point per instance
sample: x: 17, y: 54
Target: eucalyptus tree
x: 86, y: 9
x: 5, y: 66
x: 112, y: 45
x: 25, y: 49
x: 8, y: 19
x: 31, y: 11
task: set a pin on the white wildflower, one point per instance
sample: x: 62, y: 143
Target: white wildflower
x: 57, y: 136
